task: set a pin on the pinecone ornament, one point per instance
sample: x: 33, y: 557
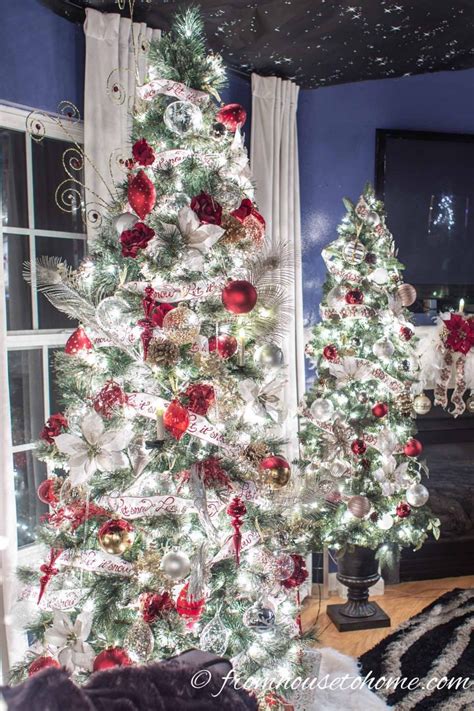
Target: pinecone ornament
x: 163, y: 352
x: 405, y: 404
x: 255, y: 452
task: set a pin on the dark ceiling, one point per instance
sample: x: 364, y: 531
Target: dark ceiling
x: 321, y: 42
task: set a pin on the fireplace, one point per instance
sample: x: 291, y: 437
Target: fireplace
x: 449, y: 452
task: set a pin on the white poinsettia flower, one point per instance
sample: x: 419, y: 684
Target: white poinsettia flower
x: 262, y: 400
x: 199, y: 237
x: 71, y: 638
x: 349, y: 370
x: 96, y: 449
x: 387, y: 442
x: 392, y: 477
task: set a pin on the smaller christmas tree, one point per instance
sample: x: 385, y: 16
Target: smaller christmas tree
x: 358, y: 438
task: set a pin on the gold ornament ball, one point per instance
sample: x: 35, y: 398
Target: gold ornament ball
x: 114, y: 540
x: 181, y: 325
x: 276, y: 471
x: 407, y: 294
x: 354, y: 252
x: 422, y: 404
x: 359, y: 506
x: 470, y: 404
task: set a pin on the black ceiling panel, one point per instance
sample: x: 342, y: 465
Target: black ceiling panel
x: 321, y: 42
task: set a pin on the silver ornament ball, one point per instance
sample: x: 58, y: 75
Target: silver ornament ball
x: 259, y: 618
x: 176, y: 565
x: 322, y: 409
x: 383, y: 348
x: 182, y: 117
x: 269, y: 356
x: 417, y: 495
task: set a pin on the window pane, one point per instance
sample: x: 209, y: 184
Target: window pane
x: 28, y: 473
x: 48, y: 175
x: 55, y: 402
x: 72, y: 251
x: 26, y: 395
x: 14, y: 206
x: 17, y: 291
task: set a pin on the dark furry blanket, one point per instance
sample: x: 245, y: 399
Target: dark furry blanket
x: 165, y: 685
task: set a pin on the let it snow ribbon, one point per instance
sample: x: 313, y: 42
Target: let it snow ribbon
x: 180, y: 292
x: 347, y: 311
x: 170, y: 88
x: 54, y: 599
x: 95, y: 561
x: 132, y: 507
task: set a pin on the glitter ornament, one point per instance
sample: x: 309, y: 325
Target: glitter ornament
x: 413, y: 448
x: 422, y: 404
x: 189, y: 609
x: 235, y: 232
x: 111, y: 314
x: 111, y: 658
x: 109, y: 399
x: 276, y: 471
x: 385, y: 522
x: 359, y: 447
x: 380, y: 409
x: 268, y: 356
x: 78, y: 342
x: 383, y: 348
x: 200, y: 397
x: 182, y: 117
x: 299, y: 574
x: 141, y: 194
x: 232, y: 116
x: 282, y: 566
x: 407, y: 294
x: 354, y: 297
x: 322, y: 409
x: 116, y: 536
x: 139, y: 641
x: 259, y: 618
x: 123, y: 222
x: 176, y: 419
x: 239, y: 297
x: 417, y: 495
x: 406, y: 333
x: 176, y: 565
x: 181, y: 325
x: 359, y: 506
x: 403, y: 510
x: 215, y: 636
x: 41, y: 663
x: 330, y: 353
x: 354, y: 252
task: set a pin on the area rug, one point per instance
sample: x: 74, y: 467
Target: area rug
x: 437, y: 644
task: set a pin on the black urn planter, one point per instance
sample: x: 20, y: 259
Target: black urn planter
x: 358, y: 570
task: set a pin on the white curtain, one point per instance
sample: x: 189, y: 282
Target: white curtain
x: 116, y: 63
x: 274, y: 163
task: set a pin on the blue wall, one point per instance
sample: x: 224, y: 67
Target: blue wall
x: 41, y: 55
x: 337, y: 147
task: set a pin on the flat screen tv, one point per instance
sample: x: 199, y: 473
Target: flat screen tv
x: 427, y: 183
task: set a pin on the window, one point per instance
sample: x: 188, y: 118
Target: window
x: 32, y: 225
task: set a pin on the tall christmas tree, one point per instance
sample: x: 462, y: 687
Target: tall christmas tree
x: 169, y: 526
x: 359, y: 445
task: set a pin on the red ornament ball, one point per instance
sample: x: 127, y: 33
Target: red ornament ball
x: 413, y: 448
x: 355, y: 296
x: 176, y: 419
x: 225, y: 345
x: 299, y: 574
x: 276, y: 470
x: 233, y: 116
x: 380, y: 409
x: 77, y: 342
x: 239, y: 297
x: 110, y: 658
x: 359, y: 447
x: 403, y: 510
x: 47, y: 491
x: 200, y: 398
x: 141, y: 194
x: 406, y: 333
x: 42, y: 663
x: 190, y: 609
x: 330, y: 353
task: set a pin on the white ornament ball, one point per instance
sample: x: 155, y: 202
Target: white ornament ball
x: 417, y: 495
x: 372, y: 218
x: 354, y: 252
x: 422, y: 404
x: 125, y: 221
x: 322, y: 409
x: 176, y: 565
x: 383, y: 348
x: 269, y: 356
x: 113, y: 314
x: 379, y: 276
x: 183, y: 117
x: 385, y: 522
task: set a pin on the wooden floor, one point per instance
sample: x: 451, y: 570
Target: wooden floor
x: 399, y: 601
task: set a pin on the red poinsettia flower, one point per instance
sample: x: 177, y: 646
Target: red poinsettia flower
x: 143, y: 152
x: 135, y: 239
x: 156, y: 606
x: 53, y: 427
x: 460, y: 338
x: 207, y: 209
x: 159, y: 312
